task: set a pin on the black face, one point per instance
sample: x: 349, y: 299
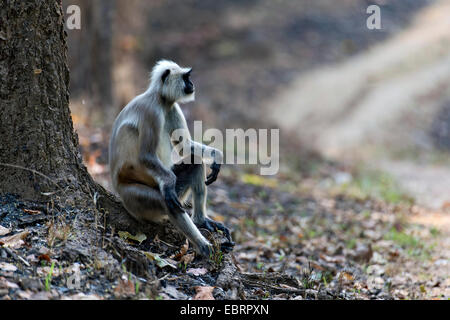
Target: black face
x: 188, y: 85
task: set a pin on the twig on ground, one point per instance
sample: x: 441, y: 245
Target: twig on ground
x: 15, y: 256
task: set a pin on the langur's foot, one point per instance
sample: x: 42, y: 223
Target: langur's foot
x: 205, y: 250
x: 213, y: 226
x: 227, y: 247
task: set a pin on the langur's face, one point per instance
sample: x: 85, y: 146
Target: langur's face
x: 188, y: 85
x: 177, y: 85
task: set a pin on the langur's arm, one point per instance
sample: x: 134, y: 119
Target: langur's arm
x: 185, y: 146
x: 166, y: 179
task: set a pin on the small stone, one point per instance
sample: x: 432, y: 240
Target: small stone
x: 5, y: 284
x: 375, y: 269
x: 378, y: 259
x: 41, y: 295
x: 31, y: 284
x: 24, y: 295
x: 7, y: 267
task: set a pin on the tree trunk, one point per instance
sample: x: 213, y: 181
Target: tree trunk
x: 38, y: 149
x: 39, y: 156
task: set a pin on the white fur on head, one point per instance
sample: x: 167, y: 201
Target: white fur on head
x: 173, y: 86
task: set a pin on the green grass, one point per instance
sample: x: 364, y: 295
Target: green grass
x: 374, y: 184
x: 137, y: 287
x: 48, y: 278
x: 434, y: 232
x: 351, y: 243
x: 404, y: 240
x: 413, y: 246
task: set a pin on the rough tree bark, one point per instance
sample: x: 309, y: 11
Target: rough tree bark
x: 36, y: 128
x: 39, y: 155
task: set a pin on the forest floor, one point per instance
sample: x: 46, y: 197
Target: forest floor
x: 335, y: 230
x: 384, y: 120
x: 292, y: 243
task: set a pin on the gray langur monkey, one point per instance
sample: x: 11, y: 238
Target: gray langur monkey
x: 149, y: 184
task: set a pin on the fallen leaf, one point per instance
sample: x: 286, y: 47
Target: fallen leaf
x: 44, y: 271
x: 183, y: 251
x: 7, y: 267
x: 346, y: 276
x: 15, y: 241
x: 7, y: 284
x: 249, y: 256
x: 29, y: 211
x: 160, y: 262
x: 82, y: 296
x: 124, y: 288
x: 204, y: 293
x: 316, y: 266
x: 188, y: 258
x: 139, y: 237
x: 362, y: 253
x: 44, y: 257
x: 4, y: 231
x: 25, y: 294
x: 197, y: 271
x: 74, y: 268
x: 41, y: 295
x: 31, y: 258
x: 170, y: 292
x: 285, y: 286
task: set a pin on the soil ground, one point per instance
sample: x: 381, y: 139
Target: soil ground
x: 320, y: 229
x: 378, y: 111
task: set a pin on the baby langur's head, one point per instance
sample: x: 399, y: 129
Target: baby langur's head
x: 172, y: 82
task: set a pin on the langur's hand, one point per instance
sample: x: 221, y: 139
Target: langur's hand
x: 215, y: 167
x: 172, y: 202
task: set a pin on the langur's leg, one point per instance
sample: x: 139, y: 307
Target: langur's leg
x: 142, y: 202
x: 192, y: 177
x: 145, y: 203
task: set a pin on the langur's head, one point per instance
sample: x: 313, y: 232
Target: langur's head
x: 172, y: 82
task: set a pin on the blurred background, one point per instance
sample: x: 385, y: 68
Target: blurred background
x: 344, y: 96
x: 362, y: 197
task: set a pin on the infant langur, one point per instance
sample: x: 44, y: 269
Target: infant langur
x: 149, y: 184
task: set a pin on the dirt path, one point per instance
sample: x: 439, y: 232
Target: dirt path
x: 345, y: 105
x: 377, y: 103
x: 382, y: 99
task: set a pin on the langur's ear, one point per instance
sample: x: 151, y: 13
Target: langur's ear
x: 165, y: 75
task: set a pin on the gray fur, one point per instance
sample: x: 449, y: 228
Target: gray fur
x: 140, y: 156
